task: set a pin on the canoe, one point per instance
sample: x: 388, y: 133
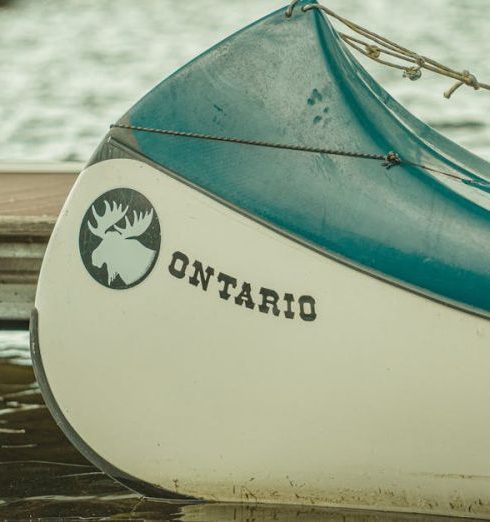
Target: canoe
x: 299, y: 323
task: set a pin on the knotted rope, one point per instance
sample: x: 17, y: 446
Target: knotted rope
x: 376, y: 46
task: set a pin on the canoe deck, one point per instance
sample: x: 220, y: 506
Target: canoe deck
x: 31, y: 197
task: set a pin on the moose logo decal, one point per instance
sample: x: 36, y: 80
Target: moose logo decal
x: 120, y: 238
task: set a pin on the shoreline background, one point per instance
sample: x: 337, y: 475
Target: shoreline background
x: 70, y: 69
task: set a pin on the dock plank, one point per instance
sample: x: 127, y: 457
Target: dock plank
x: 31, y: 194
x: 31, y: 197
x: 16, y: 301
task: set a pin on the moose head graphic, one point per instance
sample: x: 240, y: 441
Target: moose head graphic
x: 120, y: 250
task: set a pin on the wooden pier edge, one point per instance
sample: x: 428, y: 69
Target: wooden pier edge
x: 29, y: 227
x: 31, y: 197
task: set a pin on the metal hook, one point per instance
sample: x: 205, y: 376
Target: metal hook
x: 290, y: 9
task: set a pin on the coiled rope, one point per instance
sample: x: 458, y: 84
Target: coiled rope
x: 376, y: 46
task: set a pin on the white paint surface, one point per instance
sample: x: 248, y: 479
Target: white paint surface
x: 382, y: 402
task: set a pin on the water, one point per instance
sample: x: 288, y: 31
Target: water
x: 69, y: 69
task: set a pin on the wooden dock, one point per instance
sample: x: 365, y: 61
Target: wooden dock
x: 31, y: 197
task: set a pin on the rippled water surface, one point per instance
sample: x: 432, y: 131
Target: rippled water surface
x: 69, y: 69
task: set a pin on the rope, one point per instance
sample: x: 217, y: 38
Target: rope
x: 390, y: 160
x: 377, y: 45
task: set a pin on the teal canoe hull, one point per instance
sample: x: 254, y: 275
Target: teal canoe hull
x: 292, y: 81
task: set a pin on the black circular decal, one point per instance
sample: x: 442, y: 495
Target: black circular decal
x: 120, y: 238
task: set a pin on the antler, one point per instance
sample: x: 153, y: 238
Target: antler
x: 111, y: 216
x: 140, y: 224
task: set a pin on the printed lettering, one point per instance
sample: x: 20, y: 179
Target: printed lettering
x: 200, y: 277
x: 307, y: 308
x: 228, y: 281
x: 270, y: 299
x: 179, y: 265
x: 245, y: 297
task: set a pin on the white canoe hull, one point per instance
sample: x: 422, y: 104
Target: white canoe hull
x: 370, y: 396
